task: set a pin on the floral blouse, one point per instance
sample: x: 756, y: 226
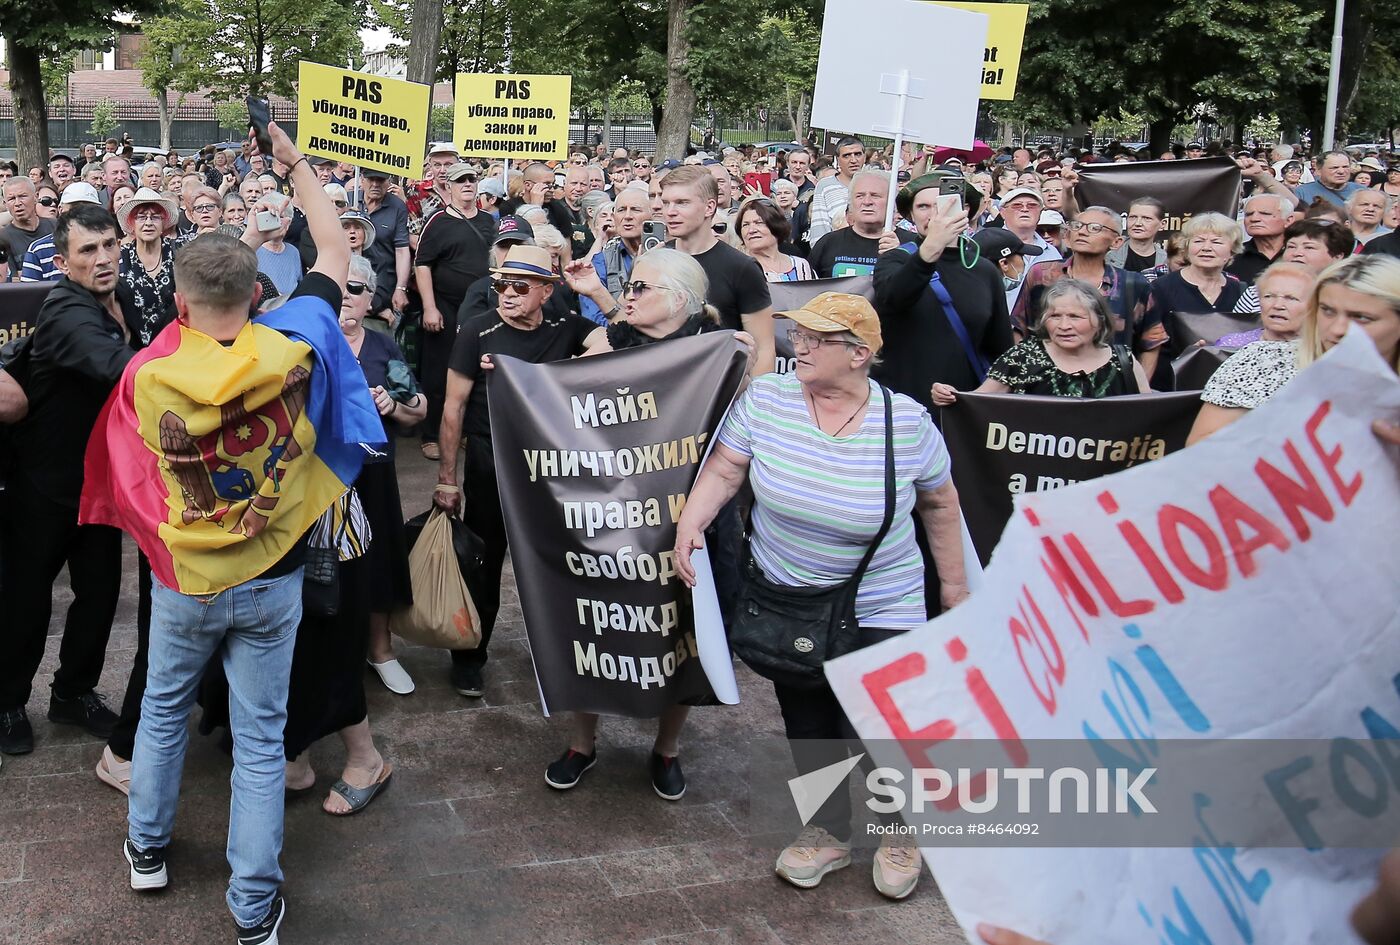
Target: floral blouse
x: 1027, y: 368
x: 154, y: 292
x: 1252, y: 374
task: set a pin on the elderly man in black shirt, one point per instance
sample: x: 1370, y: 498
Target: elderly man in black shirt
x: 82, y: 340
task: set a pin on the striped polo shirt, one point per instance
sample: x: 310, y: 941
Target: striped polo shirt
x: 820, y: 499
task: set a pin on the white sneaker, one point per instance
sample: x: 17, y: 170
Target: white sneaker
x: 394, y: 677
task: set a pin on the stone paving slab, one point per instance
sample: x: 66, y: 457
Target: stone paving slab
x: 467, y: 846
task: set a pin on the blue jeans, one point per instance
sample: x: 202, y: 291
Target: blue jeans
x: 253, y: 627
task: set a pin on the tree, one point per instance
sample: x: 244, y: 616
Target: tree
x: 673, y: 132
x: 237, y: 48
x: 1166, y: 60
x: 104, y: 119
x: 164, y: 65
x: 38, y: 29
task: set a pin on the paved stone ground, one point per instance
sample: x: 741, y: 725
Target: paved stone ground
x: 467, y: 845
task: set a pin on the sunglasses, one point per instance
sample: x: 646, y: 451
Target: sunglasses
x: 517, y: 286
x: 356, y: 288
x: 48, y: 201
x: 640, y: 288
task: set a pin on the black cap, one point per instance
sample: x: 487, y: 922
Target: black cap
x: 514, y: 229
x: 997, y: 242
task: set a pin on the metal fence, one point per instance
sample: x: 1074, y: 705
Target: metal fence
x: 193, y: 126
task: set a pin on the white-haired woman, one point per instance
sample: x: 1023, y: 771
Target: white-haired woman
x: 147, y: 265
x: 663, y: 300
x: 280, y: 261
x: 1070, y: 354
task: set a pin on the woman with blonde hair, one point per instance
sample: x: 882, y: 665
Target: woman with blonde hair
x: 1202, y: 285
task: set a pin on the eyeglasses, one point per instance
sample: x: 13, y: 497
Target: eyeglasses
x: 145, y: 216
x: 48, y: 201
x: 517, y: 286
x: 356, y: 288
x: 806, y: 341
x: 640, y: 288
x: 1094, y: 229
x: 205, y: 207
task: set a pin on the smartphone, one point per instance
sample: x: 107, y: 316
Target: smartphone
x: 560, y: 178
x: 653, y: 234
x: 268, y: 220
x: 259, y: 114
x: 950, y: 193
x: 762, y: 182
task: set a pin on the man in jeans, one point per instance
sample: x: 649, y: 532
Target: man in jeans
x: 251, y: 623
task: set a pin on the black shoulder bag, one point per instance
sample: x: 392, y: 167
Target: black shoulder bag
x: 786, y: 633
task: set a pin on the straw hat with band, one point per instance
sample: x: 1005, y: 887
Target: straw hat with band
x: 531, y: 262
x: 840, y: 311
x: 145, y: 197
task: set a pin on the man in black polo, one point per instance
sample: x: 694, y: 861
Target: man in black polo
x: 1265, y: 219
x: 82, y: 340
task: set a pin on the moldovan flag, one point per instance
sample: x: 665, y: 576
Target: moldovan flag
x: 216, y: 459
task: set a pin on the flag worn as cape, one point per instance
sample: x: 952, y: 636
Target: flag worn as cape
x: 217, y: 459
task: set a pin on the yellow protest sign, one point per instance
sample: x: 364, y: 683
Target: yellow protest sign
x: 1006, y: 31
x: 512, y: 116
x: 369, y: 120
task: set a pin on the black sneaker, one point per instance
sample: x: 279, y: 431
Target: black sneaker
x: 87, y: 711
x: 265, y: 932
x: 16, y: 734
x: 666, y: 777
x: 147, y: 867
x: 568, y: 770
x: 466, y: 679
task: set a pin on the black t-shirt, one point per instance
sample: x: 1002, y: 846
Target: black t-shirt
x: 1135, y: 263
x: 457, y: 251
x: 844, y: 252
x: 556, y: 339
x: 1250, y: 264
x: 737, y: 285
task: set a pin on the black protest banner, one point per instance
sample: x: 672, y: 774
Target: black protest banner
x: 1195, y: 367
x: 19, y: 308
x: 1184, y: 187
x: 1004, y: 444
x: 594, y: 459
x: 1189, y: 330
x: 788, y: 296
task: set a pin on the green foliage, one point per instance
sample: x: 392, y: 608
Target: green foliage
x: 58, y: 27
x: 251, y: 47
x: 440, y: 123
x: 104, y: 119
x: 232, y: 116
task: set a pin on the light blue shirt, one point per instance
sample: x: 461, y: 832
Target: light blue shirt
x: 1307, y: 193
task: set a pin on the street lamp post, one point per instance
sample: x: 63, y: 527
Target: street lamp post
x: 1334, y: 75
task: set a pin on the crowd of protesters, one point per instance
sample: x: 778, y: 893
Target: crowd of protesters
x: 1012, y: 286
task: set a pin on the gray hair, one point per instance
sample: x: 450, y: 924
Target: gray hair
x: 23, y: 182
x: 1111, y: 214
x: 549, y: 237
x: 680, y: 272
x: 884, y: 177
x: 362, y: 270
x: 782, y: 183
x: 592, y: 201
x: 1083, y: 292
x: 1285, y: 206
x: 1363, y: 192
x: 533, y: 215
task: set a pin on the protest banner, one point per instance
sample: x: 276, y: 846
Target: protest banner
x: 1184, y: 187
x: 789, y: 296
x: 20, y: 303
x: 1001, y: 59
x: 1195, y: 367
x: 1004, y: 445
x: 1180, y: 600
x: 517, y: 117
x: 593, y: 478
x: 1189, y: 330
x: 369, y: 120
x: 923, y: 86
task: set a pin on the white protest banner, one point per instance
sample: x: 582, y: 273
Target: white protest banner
x: 1244, y: 588
x: 900, y: 69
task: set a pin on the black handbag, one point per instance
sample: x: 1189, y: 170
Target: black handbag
x: 320, y: 581
x: 786, y: 633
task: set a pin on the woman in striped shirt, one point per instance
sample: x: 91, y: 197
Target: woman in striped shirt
x: 812, y: 445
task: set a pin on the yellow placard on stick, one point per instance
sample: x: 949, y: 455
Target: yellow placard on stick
x: 369, y: 120
x: 521, y: 117
x: 1006, y: 32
